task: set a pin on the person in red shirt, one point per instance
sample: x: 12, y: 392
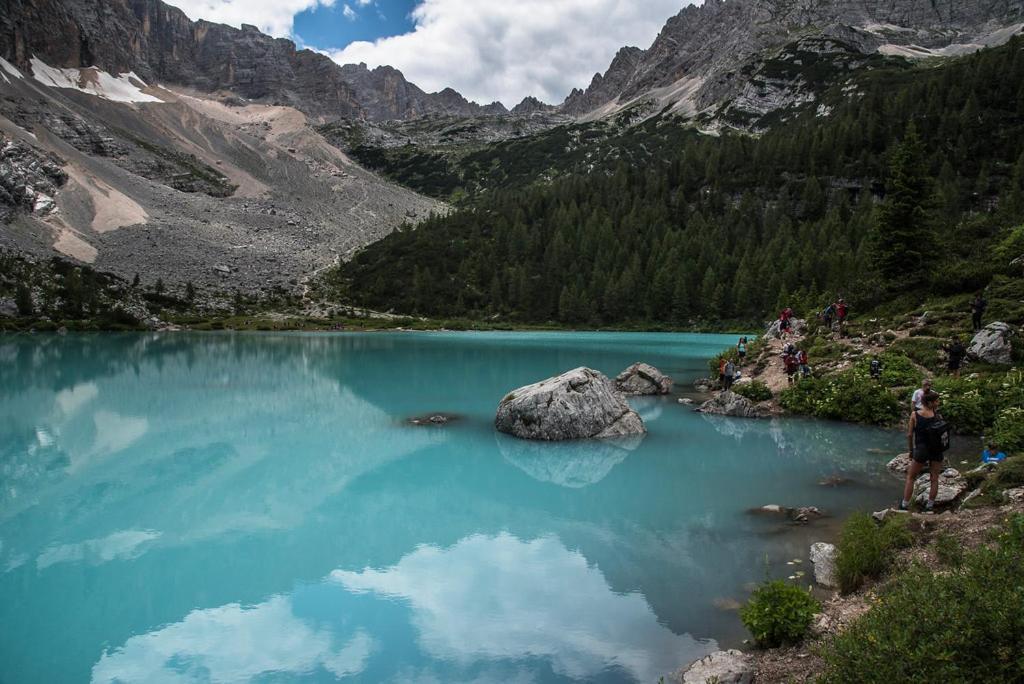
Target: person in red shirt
x: 841, y: 312
x: 792, y: 365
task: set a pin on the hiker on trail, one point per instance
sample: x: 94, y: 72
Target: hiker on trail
x: 928, y: 439
x: 876, y: 368
x: 978, y: 306
x: 841, y: 312
x: 917, y: 399
x: 792, y: 366
x: 957, y: 352
x: 827, y: 315
x: 730, y: 373
x: 801, y: 358
x: 721, y: 371
x: 992, y: 454
x: 784, y: 323
x: 741, y: 349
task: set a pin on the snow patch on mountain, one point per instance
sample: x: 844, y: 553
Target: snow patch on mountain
x: 93, y: 81
x: 9, y: 68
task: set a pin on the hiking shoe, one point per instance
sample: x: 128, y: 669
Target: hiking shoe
x: 901, y: 506
x: 929, y: 507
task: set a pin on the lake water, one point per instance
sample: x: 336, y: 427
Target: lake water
x: 236, y: 507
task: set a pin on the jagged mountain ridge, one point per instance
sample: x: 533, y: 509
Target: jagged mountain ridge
x: 162, y: 45
x: 705, y: 56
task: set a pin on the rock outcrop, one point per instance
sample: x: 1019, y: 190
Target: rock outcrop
x: 29, y: 180
x: 643, y: 379
x: 579, y: 404
x: 774, y: 331
x: 823, y: 558
x: 899, y: 465
x: 722, y: 667
x: 952, y: 485
x: 992, y: 344
x: 731, y: 404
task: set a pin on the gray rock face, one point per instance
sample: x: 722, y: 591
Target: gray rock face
x: 722, y: 667
x: 823, y: 558
x: 643, y: 379
x: 774, y: 331
x: 579, y: 404
x: 161, y: 44
x: 992, y: 344
x: 732, y: 404
x: 763, y: 55
x: 952, y: 486
x: 28, y: 180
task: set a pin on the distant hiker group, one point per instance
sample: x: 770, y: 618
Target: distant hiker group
x: 795, y: 362
x: 834, y: 316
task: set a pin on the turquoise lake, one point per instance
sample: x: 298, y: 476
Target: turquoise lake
x: 256, y: 507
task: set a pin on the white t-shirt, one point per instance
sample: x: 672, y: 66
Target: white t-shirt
x: 918, y: 399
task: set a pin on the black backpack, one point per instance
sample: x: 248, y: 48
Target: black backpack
x: 937, y: 436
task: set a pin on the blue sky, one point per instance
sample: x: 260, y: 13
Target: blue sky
x: 332, y: 28
x: 487, y: 50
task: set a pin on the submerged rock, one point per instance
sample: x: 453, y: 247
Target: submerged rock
x: 834, y: 481
x: 435, y: 419
x: 823, y: 558
x: 722, y: 667
x: 731, y: 404
x: 643, y: 379
x: 992, y: 344
x: 800, y: 515
x: 579, y: 404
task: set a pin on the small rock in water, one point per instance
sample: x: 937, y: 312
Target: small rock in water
x: 433, y: 419
x: 643, y: 379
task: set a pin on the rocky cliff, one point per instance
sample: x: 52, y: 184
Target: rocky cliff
x: 708, y: 56
x: 162, y: 45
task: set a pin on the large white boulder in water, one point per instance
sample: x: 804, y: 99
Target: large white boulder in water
x: 579, y: 404
x: 642, y: 379
x: 992, y: 344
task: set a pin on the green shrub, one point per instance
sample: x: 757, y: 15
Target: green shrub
x: 779, y: 613
x: 963, y: 405
x: 897, y: 370
x: 949, y: 551
x: 865, y: 548
x: 851, y: 396
x: 965, y: 625
x: 1008, y: 429
x: 926, y: 352
x: 755, y: 391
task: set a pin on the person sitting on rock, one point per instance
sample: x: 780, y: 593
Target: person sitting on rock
x: 917, y: 399
x: 922, y: 451
x: 721, y: 371
x: 992, y: 454
x: 956, y: 352
x: 876, y: 368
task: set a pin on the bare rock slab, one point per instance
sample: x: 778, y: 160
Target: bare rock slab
x: 643, y: 379
x: 952, y: 485
x: 992, y: 344
x: 579, y: 404
x: 823, y: 558
x: 723, y: 667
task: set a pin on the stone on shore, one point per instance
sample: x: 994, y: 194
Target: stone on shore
x: 731, y: 404
x: 721, y: 667
x: 899, y: 465
x: 992, y: 344
x: 579, y: 404
x: 952, y: 486
x: 774, y: 331
x: 643, y: 379
x: 823, y: 558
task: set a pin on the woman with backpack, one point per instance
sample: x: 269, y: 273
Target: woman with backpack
x: 928, y: 439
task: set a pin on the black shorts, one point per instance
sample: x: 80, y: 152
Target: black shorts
x: 923, y: 455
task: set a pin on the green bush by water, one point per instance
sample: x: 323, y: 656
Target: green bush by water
x: 966, y: 625
x: 755, y: 391
x: 852, y: 395
x: 865, y: 548
x: 1008, y: 429
x: 779, y: 614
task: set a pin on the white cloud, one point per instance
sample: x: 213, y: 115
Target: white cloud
x: 508, y: 50
x: 349, y: 13
x: 270, y: 16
